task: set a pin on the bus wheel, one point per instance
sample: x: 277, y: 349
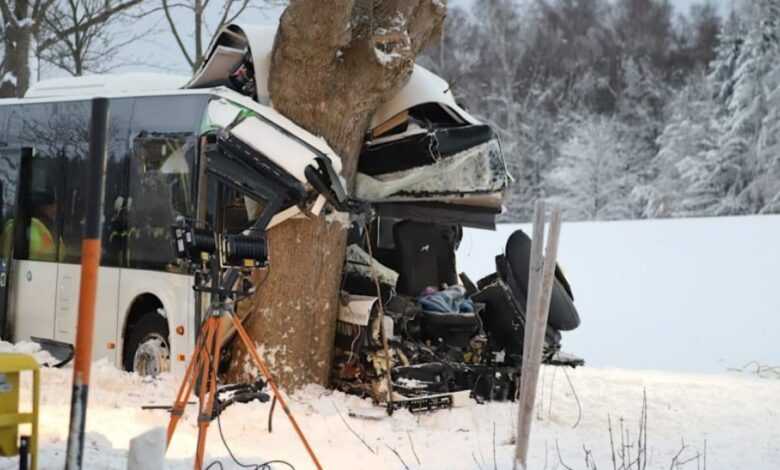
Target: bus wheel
x: 148, y: 352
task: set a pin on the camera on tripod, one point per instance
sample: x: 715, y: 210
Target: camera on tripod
x: 198, y: 245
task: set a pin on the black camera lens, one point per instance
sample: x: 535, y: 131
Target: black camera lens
x: 203, y: 241
x: 243, y: 249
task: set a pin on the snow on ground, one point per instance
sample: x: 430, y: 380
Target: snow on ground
x: 696, y: 295
x: 28, y: 347
x: 738, y: 416
x: 675, y: 294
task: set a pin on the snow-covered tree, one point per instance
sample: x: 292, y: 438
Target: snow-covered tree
x: 769, y: 140
x: 455, y: 58
x: 54, y: 29
x: 740, y: 75
x: 534, y: 149
x: 685, y: 148
x: 532, y: 68
x: 590, y: 177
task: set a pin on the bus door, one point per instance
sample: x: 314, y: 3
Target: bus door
x: 74, y: 160
x: 10, y: 165
x: 36, y: 247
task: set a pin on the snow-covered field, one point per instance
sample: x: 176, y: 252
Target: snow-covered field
x: 674, y: 304
x: 697, y: 295
x: 737, y: 416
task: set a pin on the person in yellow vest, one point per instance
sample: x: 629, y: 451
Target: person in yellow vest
x: 39, y: 235
x: 42, y: 226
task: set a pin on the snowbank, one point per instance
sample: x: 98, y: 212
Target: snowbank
x: 675, y: 294
x: 736, y: 415
x: 41, y: 356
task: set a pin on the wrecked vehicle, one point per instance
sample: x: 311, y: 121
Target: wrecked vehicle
x: 428, y: 168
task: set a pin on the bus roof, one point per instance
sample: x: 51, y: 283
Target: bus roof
x: 84, y: 95
x: 108, y: 83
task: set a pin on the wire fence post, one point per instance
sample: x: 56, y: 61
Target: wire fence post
x: 541, y: 278
x: 90, y: 262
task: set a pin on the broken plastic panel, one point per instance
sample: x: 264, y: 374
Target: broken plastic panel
x: 423, y: 87
x: 253, y: 137
x: 475, y: 175
x: 427, y: 159
x: 234, y: 46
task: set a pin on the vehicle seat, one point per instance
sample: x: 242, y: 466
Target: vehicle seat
x: 426, y: 254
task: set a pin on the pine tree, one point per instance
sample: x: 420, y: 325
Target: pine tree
x: 682, y: 185
x: 769, y: 141
x: 589, y: 177
x: 769, y: 138
x: 641, y: 113
x: 738, y: 167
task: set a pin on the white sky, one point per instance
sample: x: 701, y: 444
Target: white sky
x: 158, y: 51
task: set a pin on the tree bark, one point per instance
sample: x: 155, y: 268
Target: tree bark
x: 15, y: 73
x: 333, y: 64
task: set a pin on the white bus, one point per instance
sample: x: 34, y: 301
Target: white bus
x: 155, y: 177
x: 160, y: 145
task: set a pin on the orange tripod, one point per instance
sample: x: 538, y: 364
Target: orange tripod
x: 203, y: 369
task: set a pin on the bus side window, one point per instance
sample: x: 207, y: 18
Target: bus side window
x: 74, y: 119
x: 46, y: 132
x: 240, y: 212
x: 115, y: 204
x: 161, y: 176
x: 161, y: 172
x: 229, y: 211
x: 8, y: 184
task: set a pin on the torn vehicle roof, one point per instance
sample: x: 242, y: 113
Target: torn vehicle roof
x: 279, y: 146
x: 424, y: 155
x: 265, y: 128
x: 229, y: 45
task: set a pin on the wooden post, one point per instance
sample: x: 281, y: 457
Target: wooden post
x: 535, y: 273
x: 538, y: 308
x: 90, y: 261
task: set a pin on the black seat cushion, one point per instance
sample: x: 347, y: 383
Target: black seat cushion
x: 426, y: 254
x: 452, y: 328
x: 503, y: 320
x: 563, y: 315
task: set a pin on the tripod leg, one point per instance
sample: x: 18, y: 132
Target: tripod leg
x: 187, y: 384
x: 261, y: 365
x: 208, y: 392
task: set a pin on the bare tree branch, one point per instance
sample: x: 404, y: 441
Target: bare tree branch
x: 175, y: 32
x: 81, y: 34
x: 8, y: 15
x: 228, y: 6
x: 101, y: 17
x: 158, y: 9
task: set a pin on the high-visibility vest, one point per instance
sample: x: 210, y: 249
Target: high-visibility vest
x: 42, y: 245
x: 41, y: 242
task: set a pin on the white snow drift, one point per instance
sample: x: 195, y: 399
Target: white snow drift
x: 671, y: 294
x: 736, y: 415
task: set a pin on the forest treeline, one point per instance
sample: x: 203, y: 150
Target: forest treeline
x: 624, y: 109
x: 612, y: 109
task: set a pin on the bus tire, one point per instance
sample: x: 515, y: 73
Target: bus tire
x: 148, y: 349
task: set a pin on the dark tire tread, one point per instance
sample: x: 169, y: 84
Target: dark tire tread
x: 150, y: 323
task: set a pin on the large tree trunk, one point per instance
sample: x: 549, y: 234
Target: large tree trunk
x: 333, y: 64
x: 15, y: 73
